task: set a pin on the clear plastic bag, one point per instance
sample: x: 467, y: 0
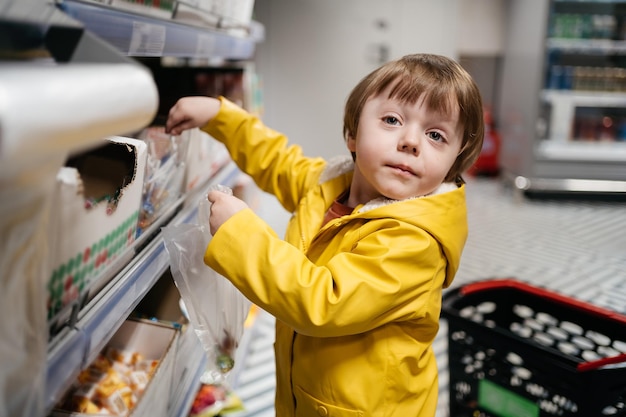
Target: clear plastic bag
x: 216, y: 309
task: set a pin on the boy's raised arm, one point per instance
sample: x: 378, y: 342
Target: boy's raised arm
x: 191, y: 112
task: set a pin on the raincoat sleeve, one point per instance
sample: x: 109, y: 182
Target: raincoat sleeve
x: 264, y: 154
x: 355, y: 291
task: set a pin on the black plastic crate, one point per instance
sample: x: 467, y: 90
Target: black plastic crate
x: 515, y: 350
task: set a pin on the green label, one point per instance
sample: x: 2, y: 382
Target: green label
x: 503, y: 402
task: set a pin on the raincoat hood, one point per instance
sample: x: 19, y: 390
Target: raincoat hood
x: 444, y: 217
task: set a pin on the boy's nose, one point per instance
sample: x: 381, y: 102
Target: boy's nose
x: 409, y: 143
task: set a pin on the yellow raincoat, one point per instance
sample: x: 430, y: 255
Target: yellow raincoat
x: 357, y: 301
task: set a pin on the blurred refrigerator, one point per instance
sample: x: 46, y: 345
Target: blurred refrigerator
x: 562, y: 107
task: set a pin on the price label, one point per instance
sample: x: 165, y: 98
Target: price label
x: 206, y: 46
x: 147, y: 39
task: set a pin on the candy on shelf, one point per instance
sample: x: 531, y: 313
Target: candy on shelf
x: 165, y: 173
x: 213, y: 400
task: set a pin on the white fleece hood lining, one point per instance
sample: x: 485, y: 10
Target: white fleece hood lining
x: 341, y: 165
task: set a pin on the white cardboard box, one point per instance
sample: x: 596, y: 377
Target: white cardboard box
x: 162, y: 303
x: 156, y: 341
x: 89, y: 234
x: 232, y: 15
x: 197, y: 12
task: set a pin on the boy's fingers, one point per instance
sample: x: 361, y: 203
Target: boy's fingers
x: 175, y: 129
x: 176, y: 120
x: 214, y: 195
x: 175, y: 124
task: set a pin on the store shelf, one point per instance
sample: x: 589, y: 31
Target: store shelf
x: 64, y: 360
x: 570, y: 98
x: 105, y: 313
x: 568, y: 185
x: 587, y: 46
x: 140, y: 35
x: 76, y: 106
x: 582, y: 151
x: 562, y: 113
x: 71, y: 63
x: 563, y: 104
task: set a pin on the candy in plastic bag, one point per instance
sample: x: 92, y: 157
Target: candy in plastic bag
x: 216, y: 309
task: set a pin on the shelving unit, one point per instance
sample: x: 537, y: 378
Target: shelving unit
x: 53, y: 43
x: 31, y: 155
x: 563, y: 101
x: 560, y: 144
x: 105, y: 313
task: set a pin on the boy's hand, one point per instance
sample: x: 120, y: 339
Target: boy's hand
x: 223, y: 207
x: 190, y: 112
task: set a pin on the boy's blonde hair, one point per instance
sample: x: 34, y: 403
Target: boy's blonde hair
x: 442, y: 81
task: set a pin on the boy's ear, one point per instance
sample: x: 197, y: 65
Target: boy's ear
x: 351, y: 143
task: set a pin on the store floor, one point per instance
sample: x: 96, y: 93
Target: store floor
x: 577, y: 248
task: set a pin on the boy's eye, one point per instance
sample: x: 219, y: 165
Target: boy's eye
x: 436, y: 136
x: 391, y: 120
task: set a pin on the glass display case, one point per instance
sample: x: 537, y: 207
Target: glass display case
x: 563, y: 102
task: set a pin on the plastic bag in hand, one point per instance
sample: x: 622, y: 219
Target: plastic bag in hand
x: 216, y: 309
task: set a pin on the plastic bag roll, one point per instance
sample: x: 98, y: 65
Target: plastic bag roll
x: 52, y: 108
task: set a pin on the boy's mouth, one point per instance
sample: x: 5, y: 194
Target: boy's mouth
x: 403, y: 168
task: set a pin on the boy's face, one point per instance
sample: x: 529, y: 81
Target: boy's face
x: 402, y: 150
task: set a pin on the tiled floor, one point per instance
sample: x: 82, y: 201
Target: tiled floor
x: 575, y: 248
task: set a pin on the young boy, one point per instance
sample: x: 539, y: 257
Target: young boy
x: 356, y: 284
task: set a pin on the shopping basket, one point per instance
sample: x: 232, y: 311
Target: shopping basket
x: 515, y: 350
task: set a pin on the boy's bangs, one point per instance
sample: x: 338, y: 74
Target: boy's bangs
x: 439, y: 96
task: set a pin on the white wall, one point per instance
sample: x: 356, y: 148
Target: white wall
x: 316, y: 51
x: 482, y: 29
x: 480, y: 42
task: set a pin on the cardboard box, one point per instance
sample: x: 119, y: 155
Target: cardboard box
x: 162, y: 303
x: 197, y: 12
x: 161, y: 9
x: 234, y: 16
x: 237, y: 13
x: 94, y: 217
x: 154, y: 342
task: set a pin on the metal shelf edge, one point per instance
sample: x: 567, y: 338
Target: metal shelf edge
x: 63, y: 362
x: 120, y: 300
x: 566, y: 185
x: 190, y: 385
x: 144, y: 35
